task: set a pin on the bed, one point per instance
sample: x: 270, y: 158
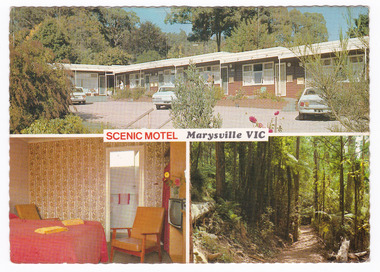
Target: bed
x: 84, y: 243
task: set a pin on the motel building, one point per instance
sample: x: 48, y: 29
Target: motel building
x: 276, y: 70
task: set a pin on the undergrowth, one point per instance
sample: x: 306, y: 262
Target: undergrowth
x: 225, y: 234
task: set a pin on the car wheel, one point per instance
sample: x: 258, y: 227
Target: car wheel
x: 158, y: 107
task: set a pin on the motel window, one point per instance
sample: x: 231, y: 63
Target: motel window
x: 88, y: 81
x: 258, y: 73
x: 169, y: 76
x: 355, y: 68
x: 210, y: 71
x: 180, y: 73
x: 357, y: 65
x: 160, y: 78
x: 134, y: 80
x: 268, y: 70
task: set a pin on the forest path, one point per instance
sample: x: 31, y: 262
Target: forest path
x: 306, y: 250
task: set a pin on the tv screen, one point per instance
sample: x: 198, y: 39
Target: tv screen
x: 176, y: 205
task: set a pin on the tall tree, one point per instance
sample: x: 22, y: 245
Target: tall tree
x: 53, y: 35
x: 206, y: 22
x: 147, y: 37
x: 116, y: 24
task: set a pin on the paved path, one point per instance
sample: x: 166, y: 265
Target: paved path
x: 119, y: 113
x: 306, y: 250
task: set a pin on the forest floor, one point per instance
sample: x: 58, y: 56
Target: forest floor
x: 306, y: 250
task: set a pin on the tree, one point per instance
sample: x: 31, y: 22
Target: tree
x: 147, y: 37
x: 52, y: 35
x: 146, y: 56
x: 361, y: 27
x: 113, y: 56
x: 38, y: 89
x: 116, y: 24
x: 250, y: 35
x: 195, y: 102
x: 206, y: 22
x: 86, y: 37
x: 260, y: 28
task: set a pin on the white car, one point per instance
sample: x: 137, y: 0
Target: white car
x: 78, y: 95
x: 164, y: 96
x: 312, y: 103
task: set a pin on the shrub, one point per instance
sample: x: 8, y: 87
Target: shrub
x: 267, y: 95
x: 219, y: 92
x: 194, y: 106
x: 71, y: 124
x: 122, y: 94
x: 137, y: 93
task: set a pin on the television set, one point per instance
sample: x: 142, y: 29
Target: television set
x: 175, y: 216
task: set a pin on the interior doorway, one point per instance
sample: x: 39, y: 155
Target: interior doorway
x: 125, y: 186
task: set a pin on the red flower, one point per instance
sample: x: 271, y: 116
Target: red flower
x: 252, y: 119
x: 270, y: 130
x: 177, y: 182
x: 277, y: 113
x: 260, y: 125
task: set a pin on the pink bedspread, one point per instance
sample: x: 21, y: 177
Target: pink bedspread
x: 80, y: 244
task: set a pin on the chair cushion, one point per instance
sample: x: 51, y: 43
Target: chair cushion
x: 27, y: 211
x: 131, y: 244
x: 148, y: 220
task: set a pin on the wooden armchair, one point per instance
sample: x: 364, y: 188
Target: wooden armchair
x: 29, y: 211
x: 144, y: 237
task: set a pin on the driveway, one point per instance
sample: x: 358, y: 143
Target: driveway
x: 118, y: 114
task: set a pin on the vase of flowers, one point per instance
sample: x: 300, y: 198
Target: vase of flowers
x: 174, y: 184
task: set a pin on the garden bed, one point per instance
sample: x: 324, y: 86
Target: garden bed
x: 263, y: 103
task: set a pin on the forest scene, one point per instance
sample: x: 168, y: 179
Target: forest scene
x: 290, y: 199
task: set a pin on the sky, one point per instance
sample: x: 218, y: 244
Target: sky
x: 336, y: 18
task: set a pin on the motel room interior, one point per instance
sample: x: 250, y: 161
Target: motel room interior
x: 85, y: 178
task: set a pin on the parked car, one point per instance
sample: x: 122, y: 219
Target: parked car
x: 164, y: 96
x: 78, y: 95
x: 312, y: 103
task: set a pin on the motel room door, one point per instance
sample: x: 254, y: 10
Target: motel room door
x: 125, y: 182
x: 280, y: 79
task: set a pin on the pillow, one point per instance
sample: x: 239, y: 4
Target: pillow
x: 72, y: 222
x: 12, y: 216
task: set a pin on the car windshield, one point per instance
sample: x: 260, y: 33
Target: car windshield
x: 167, y: 89
x: 313, y: 92
x: 77, y: 90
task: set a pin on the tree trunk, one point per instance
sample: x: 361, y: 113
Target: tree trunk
x: 198, y: 155
x: 296, y: 179
x: 234, y: 171
x: 341, y: 180
x: 316, y: 169
x: 220, y: 169
x: 289, y: 179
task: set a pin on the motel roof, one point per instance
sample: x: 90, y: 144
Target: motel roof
x: 226, y: 57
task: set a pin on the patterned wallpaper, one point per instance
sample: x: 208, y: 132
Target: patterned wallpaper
x: 67, y: 178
